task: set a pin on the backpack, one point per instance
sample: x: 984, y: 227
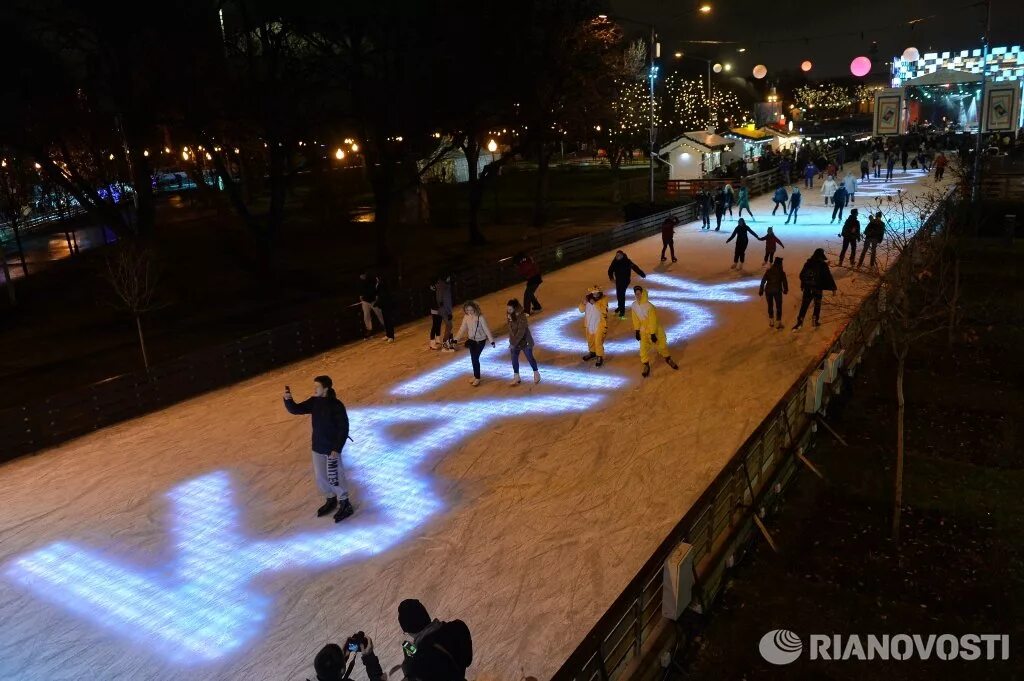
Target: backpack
x: 809, y: 276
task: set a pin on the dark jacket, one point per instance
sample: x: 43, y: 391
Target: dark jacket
x: 443, y: 653
x: 794, y: 199
x: 330, y: 422
x: 620, y: 270
x: 368, y: 289
x: 840, y: 195
x: 382, y: 293
x: 780, y: 195
x: 851, y: 229
x: 815, y: 276
x: 740, y: 234
x: 774, y: 280
x: 668, y: 228
x: 519, y: 335
x: 875, y: 230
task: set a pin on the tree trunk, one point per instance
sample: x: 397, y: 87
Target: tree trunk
x: 142, y: 342
x: 897, y: 504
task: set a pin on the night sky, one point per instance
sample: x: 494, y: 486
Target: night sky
x: 782, y: 33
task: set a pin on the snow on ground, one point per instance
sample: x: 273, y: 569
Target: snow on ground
x: 183, y: 544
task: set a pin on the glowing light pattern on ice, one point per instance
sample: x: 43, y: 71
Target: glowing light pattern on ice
x: 203, y: 604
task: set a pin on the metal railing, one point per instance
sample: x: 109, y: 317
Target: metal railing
x: 722, y: 518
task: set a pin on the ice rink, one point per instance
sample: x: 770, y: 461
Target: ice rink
x: 183, y: 544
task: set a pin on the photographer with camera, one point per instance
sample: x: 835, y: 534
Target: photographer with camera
x: 333, y: 662
x: 438, y: 651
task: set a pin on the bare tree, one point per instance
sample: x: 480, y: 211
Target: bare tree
x: 131, y: 271
x: 915, y: 281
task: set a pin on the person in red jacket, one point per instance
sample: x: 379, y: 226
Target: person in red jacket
x: 770, y: 242
x: 530, y: 271
x: 668, y: 233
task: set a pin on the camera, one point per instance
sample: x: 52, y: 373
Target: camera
x: 355, y: 642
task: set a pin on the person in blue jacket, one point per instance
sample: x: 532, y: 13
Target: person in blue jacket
x: 780, y: 198
x: 330, y: 430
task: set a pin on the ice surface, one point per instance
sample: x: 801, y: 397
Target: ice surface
x: 183, y: 544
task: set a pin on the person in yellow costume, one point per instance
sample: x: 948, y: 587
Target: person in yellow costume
x: 649, y: 330
x: 595, y: 323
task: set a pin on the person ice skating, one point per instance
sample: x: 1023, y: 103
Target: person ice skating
x: 780, y: 197
x: 474, y: 328
x: 874, y: 232
x: 815, y: 278
x: 704, y: 204
x: 740, y: 234
x: 809, y: 172
x: 904, y: 155
x: 865, y: 170
x: 795, y: 199
x: 719, y: 208
x: 668, y: 236
x: 368, y: 301
x: 850, y: 235
x: 595, y: 323
x: 770, y: 243
x: 850, y: 182
x: 774, y: 285
x: 530, y: 271
x: 828, y: 188
x: 940, y: 166
x: 330, y: 430
x: 743, y: 201
x: 876, y: 161
x: 649, y: 330
x: 621, y: 272
x: 441, y: 313
x: 730, y: 196
x: 890, y: 163
x: 838, y: 201
x: 520, y: 340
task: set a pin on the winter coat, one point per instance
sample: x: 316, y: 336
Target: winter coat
x: 668, y: 229
x: 941, y: 161
x: 875, y: 230
x: 719, y: 202
x: 815, y: 276
x: 474, y: 327
x: 620, y: 269
x: 828, y: 188
x: 850, y: 182
x: 368, y: 289
x: 864, y: 168
x: 381, y: 293
x: 810, y: 171
x: 840, y: 195
x: 770, y: 241
x: 595, y: 314
x: 780, y: 195
x: 794, y: 199
x: 743, y: 198
x: 774, y: 280
x: 645, y: 316
x: 740, y: 234
x: 851, y: 229
x: 330, y: 421
x: 528, y: 268
x: 519, y: 335
x: 442, y: 289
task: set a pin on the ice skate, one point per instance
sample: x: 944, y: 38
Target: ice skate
x: 600, y: 361
x: 328, y: 506
x: 663, y: 258
x: 589, y: 356
x: 672, y: 363
x: 771, y: 323
x: 344, y: 510
x: 647, y: 370
x: 796, y: 327
x: 536, y: 377
x: 515, y: 380
x: 815, y: 322
x: 675, y: 260
x: 389, y: 339
x: 475, y: 382
x: 779, y: 325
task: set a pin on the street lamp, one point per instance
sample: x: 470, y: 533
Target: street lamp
x: 704, y: 8
x: 339, y: 153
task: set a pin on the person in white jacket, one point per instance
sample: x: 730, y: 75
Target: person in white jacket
x: 851, y: 185
x: 828, y: 188
x: 477, y: 334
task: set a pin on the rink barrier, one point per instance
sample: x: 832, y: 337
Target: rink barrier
x: 63, y: 416
x: 720, y: 522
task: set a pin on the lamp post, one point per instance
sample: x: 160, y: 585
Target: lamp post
x: 981, y: 102
x: 492, y: 147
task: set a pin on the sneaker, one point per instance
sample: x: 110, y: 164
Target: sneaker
x: 647, y: 370
x: 344, y: 510
x: 672, y: 363
x: 779, y: 325
x: 515, y: 381
x: 816, y: 322
x: 329, y: 505
x: 475, y: 382
x: 771, y: 323
x: 536, y: 377
x: 675, y: 260
x: 796, y: 327
x: 622, y: 315
x: 663, y: 259
x: 447, y: 348
x: 589, y: 356
x: 389, y: 339
x: 600, y: 361
x: 434, y: 345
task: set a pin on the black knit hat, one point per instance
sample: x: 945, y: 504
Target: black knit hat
x: 329, y: 663
x: 325, y: 381
x: 412, y: 616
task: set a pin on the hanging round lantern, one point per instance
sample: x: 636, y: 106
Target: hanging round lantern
x: 806, y: 65
x: 860, y: 66
x: 760, y: 71
x: 717, y: 68
x: 911, y: 54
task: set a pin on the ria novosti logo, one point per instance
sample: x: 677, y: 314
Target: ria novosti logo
x: 782, y: 646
